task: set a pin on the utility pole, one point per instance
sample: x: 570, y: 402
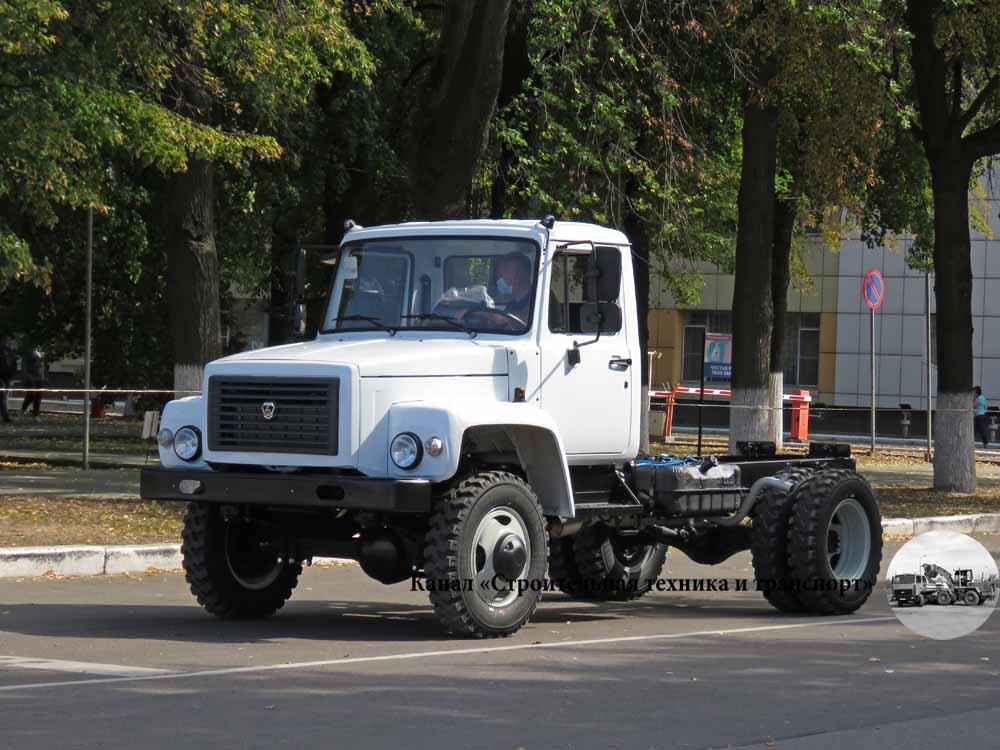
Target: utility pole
x: 86, y: 339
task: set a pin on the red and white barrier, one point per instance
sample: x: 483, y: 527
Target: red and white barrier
x: 800, y: 401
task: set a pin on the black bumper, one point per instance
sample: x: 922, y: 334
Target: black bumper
x: 293, y: 490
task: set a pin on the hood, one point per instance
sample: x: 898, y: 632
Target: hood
x: 391, y: 356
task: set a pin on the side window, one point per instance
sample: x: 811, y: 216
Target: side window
x: 573, y: 293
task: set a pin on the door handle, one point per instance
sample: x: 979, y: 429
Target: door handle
x: 620, y: 363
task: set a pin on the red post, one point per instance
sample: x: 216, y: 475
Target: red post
x: 668, y: 419
x: 800, y: 417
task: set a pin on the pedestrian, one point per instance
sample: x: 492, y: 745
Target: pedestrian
x: 979, y: 420
x: 33, y: 369
x: 8, y: 367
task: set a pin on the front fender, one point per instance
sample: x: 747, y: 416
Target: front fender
x: 183, y: 412
x: 532, y: 432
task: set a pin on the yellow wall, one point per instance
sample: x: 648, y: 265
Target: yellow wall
x: 827, y: 355
x: 665, y: 340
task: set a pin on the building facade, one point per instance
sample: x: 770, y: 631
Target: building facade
x: 827, y: 347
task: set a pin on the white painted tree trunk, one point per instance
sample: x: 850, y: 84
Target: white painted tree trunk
x: 954, y: 447
x: 187, y: 378
x: 749, y: 417
x: 776, y: 385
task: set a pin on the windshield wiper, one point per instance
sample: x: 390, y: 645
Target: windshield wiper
x: 377, y: 322
x: 446, y: 318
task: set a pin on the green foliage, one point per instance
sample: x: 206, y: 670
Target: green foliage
x: 627, y: 118
x: 74, y: 96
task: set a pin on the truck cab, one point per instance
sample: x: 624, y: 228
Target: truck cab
x: 467, y: 416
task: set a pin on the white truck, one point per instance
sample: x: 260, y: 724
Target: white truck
x: 469, y: 417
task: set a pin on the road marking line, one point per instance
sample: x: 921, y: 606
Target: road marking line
x: 444, y: 652
x: 79, y: 667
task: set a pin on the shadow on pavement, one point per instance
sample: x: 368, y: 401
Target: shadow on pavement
x: 353, y: 620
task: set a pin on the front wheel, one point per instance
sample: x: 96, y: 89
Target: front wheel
x: 234, y: 569
x: 485, y: 555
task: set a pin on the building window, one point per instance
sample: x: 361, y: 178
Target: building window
x: 696, y: 324
x: 800, y: 350
x: 808, y: 356
x: 694, y: 337
x: 800, y: 355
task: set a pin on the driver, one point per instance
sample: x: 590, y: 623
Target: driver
x: 513, y: 285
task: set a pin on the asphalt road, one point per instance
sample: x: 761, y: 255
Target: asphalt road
x: 116, y: 662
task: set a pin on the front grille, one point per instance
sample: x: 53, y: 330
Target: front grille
x: 303, y: 415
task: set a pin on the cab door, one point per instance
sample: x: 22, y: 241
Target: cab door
x: 589, y: 370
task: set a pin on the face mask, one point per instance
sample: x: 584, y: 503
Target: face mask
x: 504, y: 289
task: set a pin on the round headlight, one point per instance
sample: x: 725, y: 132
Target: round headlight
x: 405, y: 450
x: 187, y: 443
x: 165, y: 437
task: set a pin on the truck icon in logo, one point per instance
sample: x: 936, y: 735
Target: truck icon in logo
x: 267, y: 409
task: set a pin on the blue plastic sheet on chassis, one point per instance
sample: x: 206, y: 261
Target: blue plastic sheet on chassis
x: 665, y: 459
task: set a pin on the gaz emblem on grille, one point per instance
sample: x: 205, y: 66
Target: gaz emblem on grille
x: 267, y: 409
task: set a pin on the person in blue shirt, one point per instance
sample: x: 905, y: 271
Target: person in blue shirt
x: 979, y: 417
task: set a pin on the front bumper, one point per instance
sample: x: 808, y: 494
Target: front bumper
x: 293, y: 490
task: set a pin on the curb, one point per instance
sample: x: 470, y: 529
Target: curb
x: 85, y: 560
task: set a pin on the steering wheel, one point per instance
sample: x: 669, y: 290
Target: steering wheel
x: 491, y: 312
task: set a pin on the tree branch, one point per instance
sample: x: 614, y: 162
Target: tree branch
x: 984, y: 143
x: 991, y: 87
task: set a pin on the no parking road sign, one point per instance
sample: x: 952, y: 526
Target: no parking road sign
x: 873, y: 289
x: 873, y: 293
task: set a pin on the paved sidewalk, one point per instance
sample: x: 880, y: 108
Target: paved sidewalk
x: 75, y: 458
x: 73, y: 482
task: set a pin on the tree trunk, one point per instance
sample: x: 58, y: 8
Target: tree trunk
x: 784, y: 225
x: 954, y: 446
x: 516, y: 70
x: 193, y: 273
x: 277, y: 316
x: 459, y: 101
x: 753, y: 311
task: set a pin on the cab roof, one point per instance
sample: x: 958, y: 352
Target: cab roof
x: 562, y: 231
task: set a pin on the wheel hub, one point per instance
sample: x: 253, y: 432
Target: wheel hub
x: 501, y: 553
x: 849, y: 540
x: 509, y: 556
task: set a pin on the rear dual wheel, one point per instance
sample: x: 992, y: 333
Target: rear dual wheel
x: 818, y: 546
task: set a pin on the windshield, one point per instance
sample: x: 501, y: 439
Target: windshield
x: 474, y: 285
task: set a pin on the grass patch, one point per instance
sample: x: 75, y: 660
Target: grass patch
x: 15, y: 465
x: 917, y: 500
x: 39, y: 520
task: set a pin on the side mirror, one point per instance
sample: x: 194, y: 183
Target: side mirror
x: 608, y: 262
x: 600, y: 317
